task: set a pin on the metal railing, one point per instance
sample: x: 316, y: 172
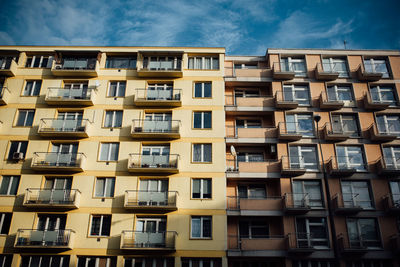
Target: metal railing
x: 233, y: 202
x: 373, y: 97
x: 138, y: 160
x: 51, y: 196
x: 151, y: 240
x: 288, y: 128
x: 147, y: 198
x: 44, y: 238
x: 233, y: 165
x: 301, y: 240
x: 76, y: 64
x: 61, y: 125
x: 330, y: 98
x: 257, y: 242
x: 338, y: 129
x: 256, y: 132
x: 67, y: 93
x: 155, y: 126
x: 375, y: 68
x: 352, y: 200
x: 287, y: 96
x: 158, y: 94
x: 333, y: 68
x: 390, y: 163
x: 298, y: 162
x: 392, y: 201
x: 297, y: 200
x: 171, y: 65
x: 358, y: 241
x: 348, y: 162
x: 387, y: 128
x: 296, y: 67
x: 57, y: 159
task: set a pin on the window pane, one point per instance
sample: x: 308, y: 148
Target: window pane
x: 14, y: 185
x: 207, y: 119
x: 113, y: 89
x: 196, y: 230
x: 5, y: 182
x: 197, y: 153
x: 197, y: 120
x: 206, y: 227
x: 110, y: 187
x: 104, y: 151
x: 207, y: 89
x: 206, y: 188
x: 100, y: 183
x: 108, y: 119
x: 118, y: 119
x: 29, y: 119
x: 114, y: 152
x: 105, y: 231
x: 198, y: 90
x: 95, y: 229
x: 207, y: 152
x: 196, y: 188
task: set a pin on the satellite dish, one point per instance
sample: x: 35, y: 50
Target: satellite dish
x: 233, y: 151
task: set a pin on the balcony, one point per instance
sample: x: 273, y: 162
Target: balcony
x: 292, y: 166
x: 265, y: 246
x: 282, y: 103
x: 153, y: 163
x: 56, y: 239
x: 349, y: 203
x: 374, y: 104
x: 283, y: 71
x: 266, y: 206
x: 166, y: 129
x: 52, y: 198
x: 391, y: 202
x: 150, y: 200
x: 296, y: 203
x: 306, y: 243
x: 70, y: 97
x: 8, y: 68
x: 58, y: 162
x: 367, y: 72
x: 250, y: 135
x: 376, y: 133
x: 247, y: 74
x: 291, y: 131
x: 327, y: 71
x: 256, y: 103
x: 170, y: 67
x: 388, y: 166
x: 76, y: 67
x: 334, y: 132
x: 345, y: 165
x: 252, y: 169
x: 4, y: 95
x: 329, y: 104
x: 162, y: 98
x: 358, y: 244
x: 64, y: 128
x: 137, y: 240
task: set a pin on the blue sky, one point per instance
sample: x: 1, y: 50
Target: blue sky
x: 244, y: 27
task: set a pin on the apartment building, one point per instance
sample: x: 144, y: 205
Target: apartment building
x: 313, y: 158
x: 112, y: 156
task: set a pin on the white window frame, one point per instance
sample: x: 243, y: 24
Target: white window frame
x: 113, y: 118
x: 348, y: 153
x: 332, y: 62
x: 48, y: 65
x: 202, y: 90
x: 203, y: 184
x: 394, y: 150
x: 374, y: 62
x: 381, y: 89
x: 351, y: 186
x: 101, y: 224
x: 193, y: 61
x: 202, y: 119
x: 298, y: 117
x: 62, y: 258
x: 202, y: 219
x: 12, y: 180
x: 298, y: 87
x: 26, y: 111
x: 341, y: 87
x: 117, y: 89
x: 386, y: 119
x: 290, y: 61
x: 300, y: 150
x: 339, y: 118
x: 108, y: 181
x: 34, y: 84
x: 307, y: 199
x: 309, y: 224
x: 109, y: 151
x: 202, y: 160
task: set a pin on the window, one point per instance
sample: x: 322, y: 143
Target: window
x: 203, y: 63
x: 356, y: 194
x: 395, y: 190
x: 201, y: 227
x: 250, y: 157
x: 39, y: 62
x: 388, y: 124
x: 369, y: 263
x: 300, y: 123
x: 247, y: 123
x: 117, y: 89
x: 162, y: 63
x: 350, y: 157
x: 313, y: 263
x: 113, y: 118
x: 202, y: 120
x: 338, y: 92
x: 252, y: 191
x: 345, y: 123
x: 105, y: 187
x: 5, y: 61
x: 199, y: 262
x: 109, y: 151
x: 121, y: 62
x: 376, y: 66
x: 312, y: 233
x: 202, y: 89
x: 147, y: 262
x: 252, y: 65
x: 9, y: 185
x: 202, y: 152
x: 307, y: 193
x: 6, y: 260
x: 297, y: 93
x: 25, y: 117
x: 5, y: 222
x: 336, y: 65
x: 391, y: 156
x: 32, y: 88
x: 201, y: 188
x: 17, y: 150
x: 303, y: 157
x: 84, y: 261
x: 383, y: 94
x: 161, y: 92
x: 363, y: 233
x: 296, y: 65
x: 45, y: 261
x: 253, y: 229
x: 100, y: 225
x: 239, y: 93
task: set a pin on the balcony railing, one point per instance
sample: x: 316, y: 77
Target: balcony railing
x: 346, y: 165
x: 374, y: 104
x: 356, y: 243
x: 384, y: 132
x: 52, y: 197
x: 153, y: 163
x: 60, y: 127
x: 161, y: 68
x: 301, y: 242
x: 293, y: 131
x: 296, y: 165
x: 249, y: 103
x: 335, y: 132
x: 297, y: 203
x: 148, y: 97
x: 87, y: 67
x: 160, y: 240
x: 67, y: 96
x: 4, y: 95
x: 328, y: 71
x: 284, y: 103
x: 58, y: 161
x: 235, y: 203
x: 8, y: 67
x: 144, y: 199
x: 283, y: 71
x: 329, y: 104
x: 261, y: 132
x: 388, y: 166
x: 370, y: 72
x: 265, y: 243
x: 156, y: 128
x: 32, y: 238
x: 350, y: 203
x: 264, y: 166
x: 255, y: 72
x: 391, y: 203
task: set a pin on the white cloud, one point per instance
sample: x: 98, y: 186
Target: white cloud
x: 6, y: 39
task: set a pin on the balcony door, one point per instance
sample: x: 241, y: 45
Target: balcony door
x: 356, y: 193
x: 345, y: 124
x: 350, y: 157
x: 77, y: 90
x: 150, y: 231
x: 297, y: 65
x: 388, y: 124
x: 59, y: 189
x: 363, y: 233
x: 307, y: 193
x: 312, y: 233
x: 64, y: 154
x: 153, y: 192
x: 303, y: 157
x: 252, y: 191
x: 68, y: 121
x: 50, y: 229
x: 392, y: 157
x: 159, y: 91
x: 300, y: 123
x: 157, y: 122
x: 155, y: 155
x: 296, y: 93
